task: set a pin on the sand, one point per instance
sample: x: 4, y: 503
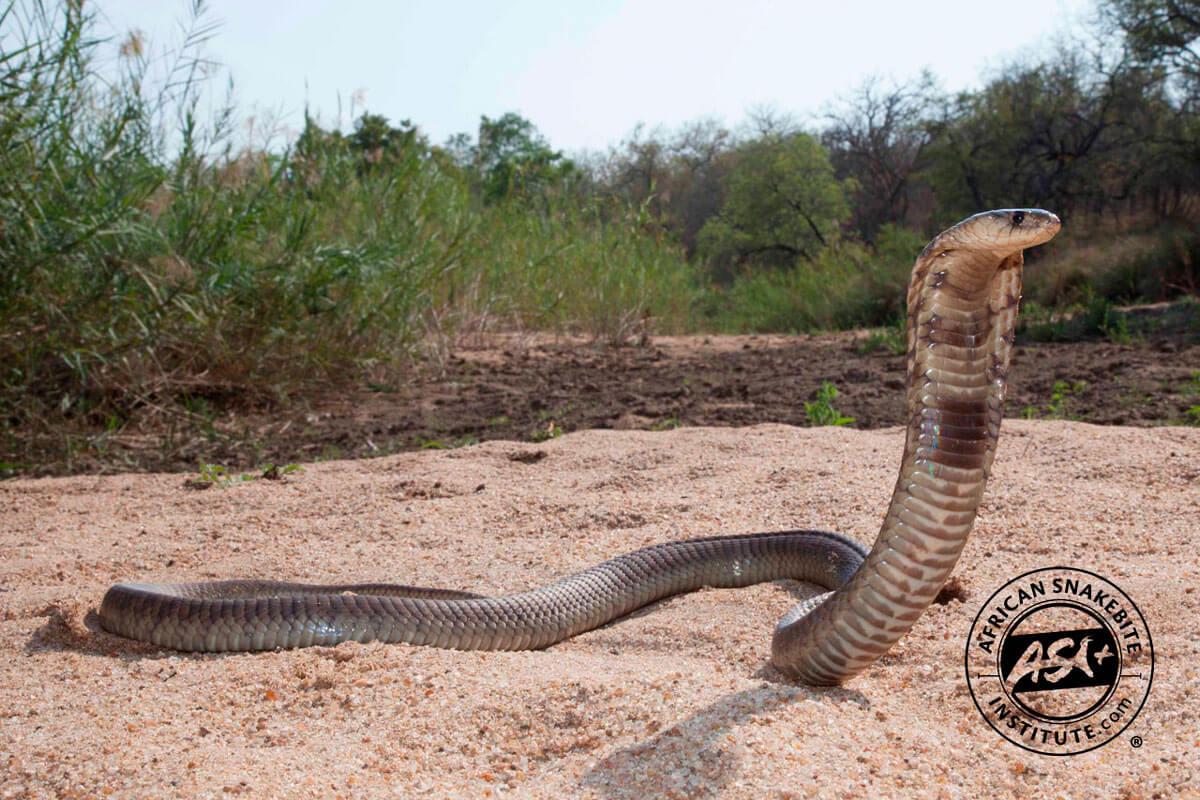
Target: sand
x: 676, y: 701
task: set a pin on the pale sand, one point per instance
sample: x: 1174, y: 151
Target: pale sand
x: 677, y: 701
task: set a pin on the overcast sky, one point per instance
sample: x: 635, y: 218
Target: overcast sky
x: 587, y: 72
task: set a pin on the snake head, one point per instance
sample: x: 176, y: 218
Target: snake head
x: 1000, y: 233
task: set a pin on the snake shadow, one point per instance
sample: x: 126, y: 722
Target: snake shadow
x: 696, y: 757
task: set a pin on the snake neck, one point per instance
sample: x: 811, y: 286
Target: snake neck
x: 961, y: 317
x: 961, y: 325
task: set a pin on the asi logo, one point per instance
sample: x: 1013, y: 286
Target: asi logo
x: 1059, y: 661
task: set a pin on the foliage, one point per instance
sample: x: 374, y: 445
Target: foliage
x: 513, y: 157
x: 591, y: 268
x: 782, y: 204
x: 146, y: 267
x: 877, y: 136
x: 1057, y: 134
x: 1160, y: 32
x: 152, y: 263
x: 222, y: 478
x: 821, y: 412
x: 1059, y: 406
x: 848, y: 285
x: 1061, y: 392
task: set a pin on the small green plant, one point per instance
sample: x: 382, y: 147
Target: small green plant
x: 1061, y: 392
x: 219, y: 476
x: 1193, y: 384
x: 891, y: 339
x: 821, y: 412
x: 438, y: 444
x: 670, y: 423
x: 1102, y: 317
x: 551, y: 431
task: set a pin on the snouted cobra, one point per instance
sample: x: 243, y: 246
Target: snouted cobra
x: 962, y: 307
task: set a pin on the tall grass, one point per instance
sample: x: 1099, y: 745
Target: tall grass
x: 133, y: 276
x: 148, y: 263
x: 591, y: 268
x: 1121, y: 264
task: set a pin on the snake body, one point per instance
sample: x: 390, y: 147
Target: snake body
x: 962, y: 306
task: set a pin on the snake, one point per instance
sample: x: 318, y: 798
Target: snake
x: 961, y: 315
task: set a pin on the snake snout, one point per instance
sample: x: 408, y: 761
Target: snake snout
x: 1014, y: 227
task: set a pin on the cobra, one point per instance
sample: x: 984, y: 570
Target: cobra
x: 961, y: 313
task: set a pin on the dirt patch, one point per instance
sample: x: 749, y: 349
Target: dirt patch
x: 535, y: 390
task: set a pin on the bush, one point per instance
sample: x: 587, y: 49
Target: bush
x: 846, y: 286
x: 149, y: 270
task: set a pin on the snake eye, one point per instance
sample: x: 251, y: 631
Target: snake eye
x: 1018, y: 217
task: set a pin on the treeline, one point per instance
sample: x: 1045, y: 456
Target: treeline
x: 149, y: 263
x: 794, y: 227
x: 1104, y: 131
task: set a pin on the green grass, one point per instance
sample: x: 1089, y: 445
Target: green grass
x: 1095, y: 317
x: 151, y: 271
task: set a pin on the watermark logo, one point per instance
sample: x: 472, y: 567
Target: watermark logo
x: 1059, y: 661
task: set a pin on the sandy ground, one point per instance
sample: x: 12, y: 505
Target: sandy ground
x: 677, y: 701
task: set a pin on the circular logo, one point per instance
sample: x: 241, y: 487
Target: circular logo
x: 1059, y: 661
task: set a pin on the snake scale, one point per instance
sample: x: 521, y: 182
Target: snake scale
x: 962, y: 307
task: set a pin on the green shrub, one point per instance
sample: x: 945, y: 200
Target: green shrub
x: 846, y: 286
x: 821, y: 412
x: 145, y: 267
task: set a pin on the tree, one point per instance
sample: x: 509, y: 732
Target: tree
x: 782, y: 203
x: 1164, y: 35
x: 681, y: 172
x: 512, y: 156
x: 1165, y: 32
x: 701, y: 159
x: 1068, y: 134
x: 877, y: 137
x: 376, y: 139
x: 460, y: 150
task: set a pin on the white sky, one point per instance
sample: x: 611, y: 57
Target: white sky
x: 587, y: 72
